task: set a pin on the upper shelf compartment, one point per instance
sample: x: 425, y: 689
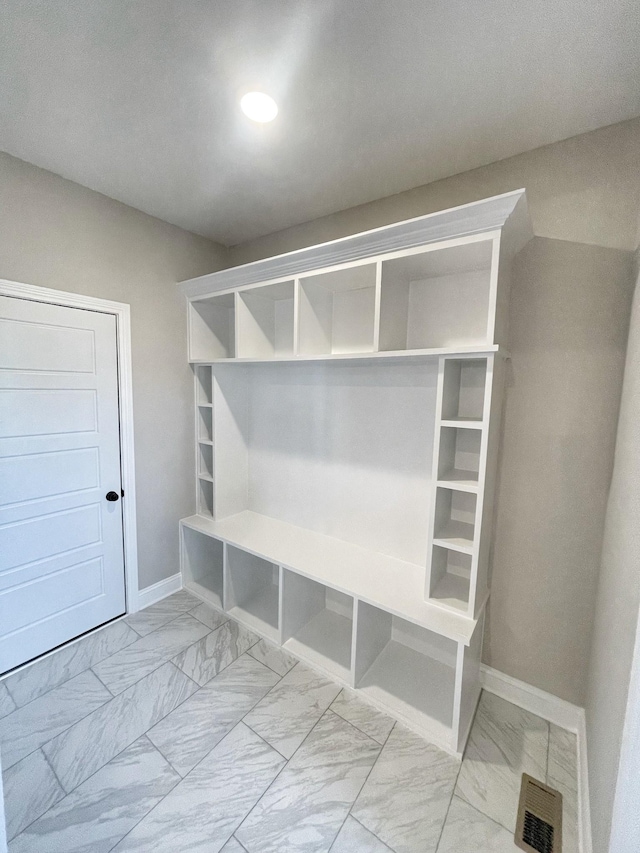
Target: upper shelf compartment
x: 265, y: 321
x: 212, y: 328
x: 337, y: 311
x: 437, y: 298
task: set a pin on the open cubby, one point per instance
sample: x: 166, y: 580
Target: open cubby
x: 450, y: 578
x: 437, y: 298
x: 318, y: 623
x: 205, y: 423
x: 212, y: 328
x: 202, y: 565
x: 203, y: 386
x: 459, y: 457
x: 337, y: 311
x: 205, y: 498
x: 406, y: 668
x: 463, y: 390
x: 265, y: 321
x: 252, y: 591
x: 454, y: 523
x: 205, y: 460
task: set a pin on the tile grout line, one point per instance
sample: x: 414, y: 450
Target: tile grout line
x: 69, y: 645
x: 91, y: 669
x: 237, y: 842
x: 446, y: 815
x: 241, y: 720
x: 133, y: 741
x: 355, y: 799
x: 64, y: 794
x: 356, y: 728
x: 286, y: 764
x: 182, y: 779
x: 69, y: 793
x: 106, y: 702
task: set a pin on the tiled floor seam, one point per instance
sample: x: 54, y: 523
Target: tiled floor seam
x: 70, y: 726
x: 453, y: 793
x: 241, y: 720
x: 236, y: 840
x: 144, y: 734
x: 100, y: 680
x: 181, y: 779
x: 353, y: 817
x: 284, y: 766
x: 7, y: 677
x: 257, y: 734
x: 348, y: 814
x: 69, y: 793
x: 358, y: 729
x: 52, y: 770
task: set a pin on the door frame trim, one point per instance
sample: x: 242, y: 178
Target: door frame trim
x: 122, y: 313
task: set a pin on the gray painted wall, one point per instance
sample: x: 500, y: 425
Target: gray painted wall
x: 569, y: 319
x: 618, y: 601
x: 55, y: 233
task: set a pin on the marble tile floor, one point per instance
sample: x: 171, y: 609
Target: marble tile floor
x: 176, y: 729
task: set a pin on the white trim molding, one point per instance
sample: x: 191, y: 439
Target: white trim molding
x: 474, y: 218
x: 157, y: 591
x: 530, y: 698
x: 122, y: 314
x: 560, y: 713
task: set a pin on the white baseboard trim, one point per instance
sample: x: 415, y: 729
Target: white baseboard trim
x: 584, y: 803
x: 157, y: 591
x: 530, y: 698
x: 560, y: 713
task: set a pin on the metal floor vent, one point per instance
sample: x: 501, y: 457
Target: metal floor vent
x: 539, y: 824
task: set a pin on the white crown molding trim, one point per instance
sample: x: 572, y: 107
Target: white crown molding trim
x: 122, y: 314
x: 157, y: 591
x: 474, y: 218
x: 560, y: 713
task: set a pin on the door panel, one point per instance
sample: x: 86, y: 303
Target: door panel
x: 61, y: 549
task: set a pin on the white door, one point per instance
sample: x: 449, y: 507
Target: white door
x: 61, y: 546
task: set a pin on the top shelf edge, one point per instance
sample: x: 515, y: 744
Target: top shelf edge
x: 399, y: 355
x: 474, y: 218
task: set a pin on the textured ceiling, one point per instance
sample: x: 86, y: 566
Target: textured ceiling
x: 139, y: 99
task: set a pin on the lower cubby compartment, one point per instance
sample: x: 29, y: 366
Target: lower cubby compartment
x: 407, y: 669
x: 202, y: 565
x: 252, y: 592
x: 450, y: 578
x: 317, y: 624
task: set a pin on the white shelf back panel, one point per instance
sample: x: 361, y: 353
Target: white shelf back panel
x: 265, y: 321
x: 436, y: 299
x: 459, y: 457
x: 212, y: 328
x: 337, y: 311
x: 407, y: 668
x: 251, y: 591
x: 342, y: 451
x: 463, y: 394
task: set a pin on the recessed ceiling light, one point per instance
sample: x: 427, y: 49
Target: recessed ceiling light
x: 259, y: 107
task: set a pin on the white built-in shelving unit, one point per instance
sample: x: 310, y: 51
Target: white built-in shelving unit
x: 348, y: 406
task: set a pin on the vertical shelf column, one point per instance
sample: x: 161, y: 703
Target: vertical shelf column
x: 465, y: 445
x: 204, y: 443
